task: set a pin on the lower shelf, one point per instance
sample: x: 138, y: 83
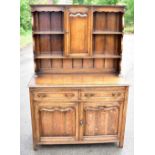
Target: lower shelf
x: 60, y: 56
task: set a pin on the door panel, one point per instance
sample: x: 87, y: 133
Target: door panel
x: 101, y: 119
x: 78, y: 31
x: 56, y: 121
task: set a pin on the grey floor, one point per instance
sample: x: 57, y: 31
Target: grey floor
x: 26, y: 72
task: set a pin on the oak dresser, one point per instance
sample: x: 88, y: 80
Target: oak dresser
x: 76, y: 94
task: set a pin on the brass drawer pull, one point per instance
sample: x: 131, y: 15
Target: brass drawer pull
x: 41, y: 95
x: 89, y: 95
x: 69, y: 95
x: 116, y: 94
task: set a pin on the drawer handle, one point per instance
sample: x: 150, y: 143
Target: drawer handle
x: 81, y: 123
x: 69, y: 95
x: 41, y: 95
x: 116, y: 94
x: 89, y: 95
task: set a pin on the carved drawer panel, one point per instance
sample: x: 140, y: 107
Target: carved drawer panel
x: 57, y: 95
x: 112, y: 95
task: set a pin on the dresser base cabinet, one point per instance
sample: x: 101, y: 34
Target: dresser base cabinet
x: 78, y: 115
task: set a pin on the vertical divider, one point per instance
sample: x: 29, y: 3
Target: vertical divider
x: 90, y: 24
x: 66, y: 32
x: 105, y: 39
x: 50, y: 14
x: 37, y: 48
x: 121, y: 41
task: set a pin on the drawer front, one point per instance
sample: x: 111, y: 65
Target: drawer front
x: 103, y: 95
x: 58, y: 95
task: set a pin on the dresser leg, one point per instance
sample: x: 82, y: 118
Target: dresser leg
x: 120, y: 144
x: 35, y: 147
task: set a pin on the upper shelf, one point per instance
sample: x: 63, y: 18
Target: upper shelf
x: 107, y: 32
x: 57, y: 8
x: 48, y: 32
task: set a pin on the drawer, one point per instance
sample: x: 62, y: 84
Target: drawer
x: 58, y: 95
x: 103, y: 95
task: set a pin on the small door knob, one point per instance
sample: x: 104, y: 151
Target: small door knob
x: 81, y: 122
x: 113, y: 94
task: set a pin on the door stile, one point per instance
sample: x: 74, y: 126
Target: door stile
x: 120, y: 119
x: 77, y: 122
x: 37, y: 123
x: 80, y: 116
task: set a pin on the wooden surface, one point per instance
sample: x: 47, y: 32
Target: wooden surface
x: 75, y: 80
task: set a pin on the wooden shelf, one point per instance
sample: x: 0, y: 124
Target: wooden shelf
x: 107, y: 56
x: 48, y: 32
x: 106, y: 32
x: 48, y: 56
x: 59, y: 56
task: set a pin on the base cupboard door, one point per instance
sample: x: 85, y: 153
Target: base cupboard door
x: 101, y: 121
x: 56, y: 123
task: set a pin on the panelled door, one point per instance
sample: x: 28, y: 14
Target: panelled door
x: 78, y: 31
x: 101, y: 121
x: 56, y: 122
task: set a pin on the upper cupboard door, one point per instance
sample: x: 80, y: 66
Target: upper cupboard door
x: 78, y: 31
